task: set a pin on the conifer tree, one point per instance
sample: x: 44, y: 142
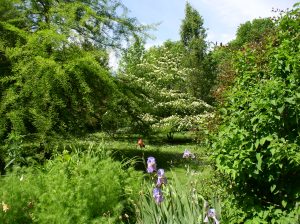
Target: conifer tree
x: 193, y: 35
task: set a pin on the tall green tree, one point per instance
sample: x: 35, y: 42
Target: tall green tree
x: 54, y: 57
x: 193, y: 36
x: 192, y: 28
x: 126, y: 106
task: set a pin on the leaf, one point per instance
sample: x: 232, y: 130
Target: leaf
x: 263, y: 140
x: 280, y: 109
x: 284, y: 203
x: 272, y: 151
x: 273, y: 187
x: 273, y: 102
x: 287, y: 68
x: 269, y: 138
x: 253, y: 119
x: 256, y: 143
x: 259, y: 161
x: 254, y: 127
x: 290, y: 100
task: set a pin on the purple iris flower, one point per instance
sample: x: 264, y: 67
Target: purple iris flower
x: 188, y: 154
x: 161, y: 179
x: 151, y: 164
x: 157, y: 194
x: 160, y: 172
x: 211, y: 212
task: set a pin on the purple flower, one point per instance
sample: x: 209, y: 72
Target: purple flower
x: 151, y: 165
x: 211, y: 213
x: 188, y: 154
x: 157, y: 194
x: 160, y: 172
x: 161, y: 179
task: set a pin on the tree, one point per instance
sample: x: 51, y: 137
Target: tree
x: 159, y: 82
x: 193, y: 35
x: 192, y: 28
x: 132, y: 56
x: 252, y: 31
x: 249, y: 33
x: 54, y: 54
x: 98, y: 23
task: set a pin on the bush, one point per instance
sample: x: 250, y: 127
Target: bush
x: 73, y: 188
x: 19, y: 194
x: 258, y: 143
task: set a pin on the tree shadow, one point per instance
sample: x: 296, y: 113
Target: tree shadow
x: 164, y: 160
x: 155, y: 139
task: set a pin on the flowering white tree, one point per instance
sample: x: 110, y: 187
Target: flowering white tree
x: 160, y: 82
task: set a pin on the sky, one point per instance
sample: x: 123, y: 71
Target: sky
x: 221, y: 17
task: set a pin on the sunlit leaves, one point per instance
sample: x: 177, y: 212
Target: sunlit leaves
x: 160, y: 80
x: 258, y: 142
x: 54, y: 59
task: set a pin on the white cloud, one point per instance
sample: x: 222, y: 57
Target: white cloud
x: 224, y: 16
x: 234, y: 12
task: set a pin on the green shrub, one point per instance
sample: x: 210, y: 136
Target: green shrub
x: 258, y: 145
x: 87, y: 187
x: 19, y: 192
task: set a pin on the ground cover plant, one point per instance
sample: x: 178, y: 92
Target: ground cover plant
x: 81, y: 187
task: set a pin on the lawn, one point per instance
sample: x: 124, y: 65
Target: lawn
x: 183, y: 175
x: 168, y: 154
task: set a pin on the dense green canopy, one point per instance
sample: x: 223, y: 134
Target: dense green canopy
x: 54, y: 63
x: 257, y: 143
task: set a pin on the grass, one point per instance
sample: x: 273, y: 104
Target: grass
x: 168, y: 154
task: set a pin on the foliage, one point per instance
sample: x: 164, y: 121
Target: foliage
x: 125, y: 107
x: 159, y: 84
x: 192, y: 27
x: 202, y: 77
x: 258, y: 141
x: 224, y: 57
x: 182, y: 204
x: 88, y: 23
x: 252, y: 31
x: 61, y: 95
x: 54, y: 59
x: 84, y: 187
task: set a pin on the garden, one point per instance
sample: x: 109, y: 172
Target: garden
x: 181, y: 133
